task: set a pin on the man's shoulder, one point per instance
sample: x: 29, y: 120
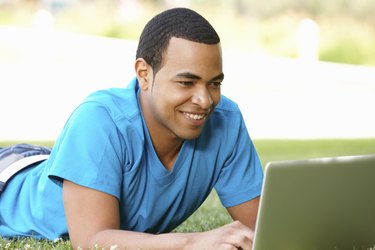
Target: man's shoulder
x: 226, y: 116
x: 117, y: 101
x: 226, y: 105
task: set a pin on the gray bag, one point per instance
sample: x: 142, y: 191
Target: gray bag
x: 17, y: 157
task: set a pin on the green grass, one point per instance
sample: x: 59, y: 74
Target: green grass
x: 30, y: 243
x: 211, y: 214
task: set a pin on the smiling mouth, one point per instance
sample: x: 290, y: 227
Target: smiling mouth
x: 197, y: 117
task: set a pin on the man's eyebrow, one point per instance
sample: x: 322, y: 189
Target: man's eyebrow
x: 196, y: 77
x: 188, y: 75
x: 219, y: 77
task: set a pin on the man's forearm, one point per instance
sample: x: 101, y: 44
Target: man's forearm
x: 234, y: 234
x: 130, y: 240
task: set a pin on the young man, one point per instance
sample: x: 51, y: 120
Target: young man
x: 132, y: 164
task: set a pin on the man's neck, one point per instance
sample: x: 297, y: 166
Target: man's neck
x: 166, y: 144
x: 167, y: 151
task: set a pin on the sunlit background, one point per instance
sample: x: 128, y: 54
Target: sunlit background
x: 298, y: 69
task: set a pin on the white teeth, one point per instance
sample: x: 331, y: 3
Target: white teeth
x: 195, y: 116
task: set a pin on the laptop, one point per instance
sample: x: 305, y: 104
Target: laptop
x: 324, y: 203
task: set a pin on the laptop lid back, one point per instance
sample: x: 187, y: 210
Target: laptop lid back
x: 326, y: 203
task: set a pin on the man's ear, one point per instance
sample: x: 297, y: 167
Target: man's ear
x: 144, y: 73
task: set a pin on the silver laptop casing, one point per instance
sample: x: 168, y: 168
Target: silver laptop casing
x: 325, y: 203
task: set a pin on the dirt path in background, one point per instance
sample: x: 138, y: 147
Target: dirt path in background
x: 43, y: 76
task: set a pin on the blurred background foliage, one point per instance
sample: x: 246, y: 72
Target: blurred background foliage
x: 346, y: 27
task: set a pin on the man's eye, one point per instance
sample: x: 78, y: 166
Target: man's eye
x: 185, y: 83
x: 216, y: 84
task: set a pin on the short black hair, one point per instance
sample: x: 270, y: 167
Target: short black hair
x: 177, y: 22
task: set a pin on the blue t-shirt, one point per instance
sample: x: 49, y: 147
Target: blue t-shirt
x: 105, y: 145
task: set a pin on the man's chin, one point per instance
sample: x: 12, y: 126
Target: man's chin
x: 190, y: 136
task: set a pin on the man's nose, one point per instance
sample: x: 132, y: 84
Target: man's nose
x: 202, y: 97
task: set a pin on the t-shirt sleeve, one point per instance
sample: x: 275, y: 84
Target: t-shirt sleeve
x: 241, y: 177
x: 89, y: 151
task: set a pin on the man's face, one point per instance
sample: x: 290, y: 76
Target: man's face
x: 185, y: 91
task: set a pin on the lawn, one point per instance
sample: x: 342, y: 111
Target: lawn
x: 211, y: 214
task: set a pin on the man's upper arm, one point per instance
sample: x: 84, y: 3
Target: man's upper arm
x: 245, y: 212
x: 88, y: 212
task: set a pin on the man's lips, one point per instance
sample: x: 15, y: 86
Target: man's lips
x: 195, y: 116
x: 196, y: 119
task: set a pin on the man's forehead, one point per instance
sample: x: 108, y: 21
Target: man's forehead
x: 185, y: 54
x: 180, y: 46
